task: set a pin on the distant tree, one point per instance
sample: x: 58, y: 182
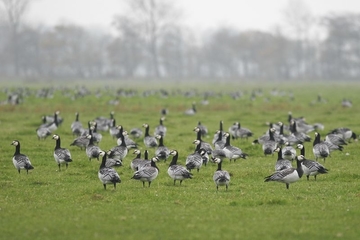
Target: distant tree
x: 15, y: 10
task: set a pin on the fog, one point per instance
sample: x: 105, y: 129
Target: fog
x: 151, y: 42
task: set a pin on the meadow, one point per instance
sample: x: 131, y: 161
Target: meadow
x: 72, y: 203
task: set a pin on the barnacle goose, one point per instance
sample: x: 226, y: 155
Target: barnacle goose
x: 149, y: 141
x: 111, y: 162
x: 311, y: 167
x: 268, y: 146
x: 216, y: 135
x: 161, y: 128
x: 92, y: 150
x: 176, y: 171
x: 335, y: 139
x: 162, y: 152
x: 232, y: 152
x: 281, y: 163
x: 203, y: 129
x: 221, y: 177
x: 104, y: 123
x: 288, y: 152
x: 147, y: 173
x: 346, y: 133
x: 20, y: 161
x: 120, y: 151
x: 82, y: 141
x: 320, y: 149
x: 220, y: 141
x: 113, y: 130
x: 207, y: 146
x: 42, y: 133
x: 61, y: 155
x: 191, y: 111
x: 240, y: 132
x: 289, y: 175
x: 136, y: 132
x: 139, y: 162
x: 76, y: 126
x: 107, y: 175
x: 96, y: 135
x: 128, y: 141
x: 195, y: 160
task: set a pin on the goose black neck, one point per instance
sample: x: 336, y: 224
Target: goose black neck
x: 299, y: 168
x: 123, y: 143
x: 17, y: 149
x: 161, y: 141
x: 153, y: 164
x: 174, y: 159
x: 271, y: 135
x: 280, y: 154
x: 221, y: 126
x: 302, y: 150
x: 103, y: 161
x: 227, y: 143
x: 58, y: 142
x: 198, y: 135
x: 219, y: 166
x: 317, y: 139
x: 147, y: 131
x: 146, y: 155
x: 77, y: 117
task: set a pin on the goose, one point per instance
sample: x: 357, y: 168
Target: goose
x: 198, y: 147
x: 82, y: 141
x: 161, y: 128
x: 162, y: 152
x: 52, y: 126
x: 42, y: 133
x: 195, y: 160
x: 269, y: 145
x: 137, y: 163
x: 346, y: 133
x: 240, y: 132
x: 216, y: 135
x: 311, y: 167
x: 300, y: 136
x: 147, y: 173
x: 92, y: 150
x: 335, y: 139
x: 111, y: 162
x: 76, y: 126
x: 61, y: 155
x: 191, y: 111
x: 107, y: 175
x: 320, y: 148
x: 207, y: 146
x: 128, y: 141
x: 288, y: 152
x: 232, y: 152
x: 49, y: 119
x: 289, y: 175
x: 113, y: 130
x: 221, y: 177
x: 136, y: 132
x: 119, y: 152
x: 203, y: 129
x: 281, y: 163
x: 104, y: 123
x: 20, y: 161
x: 96, y: 135
x: 149, y: 141
x: 220, y: 141
x: 176, y: 171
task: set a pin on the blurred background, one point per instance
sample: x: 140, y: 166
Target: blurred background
x: 281, y: 40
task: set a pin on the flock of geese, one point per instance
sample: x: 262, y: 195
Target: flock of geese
x: 279, y: 138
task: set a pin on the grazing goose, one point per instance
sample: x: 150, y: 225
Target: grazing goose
x: 203, y: 129
x: 119, y: 152
x: 320, y: 148
x: 232, y: 152
x: 289, y: 175
x: 269, y: 145
x: 221, y: 177
x: 207, y: 146
x: 161, y: 152
x: 195, y: 160
x: 161, y: 128
x: 76, y: 126
x: 138, y: 162
x: 335, y: 139
x: 20, y: 161
x: 107, y: 175
x: 147, y: 173
x: 149, y: 141
x: 311, y: 167
x: 191, y: 111
x: 176, y: 171
x: 288, y: 152
x: 281, y: 163
x: 42, y: 133
x: 82, y: 141
x: 136, y: 132
x: 92, y: 150
x: 61, y: 155
x: 111, y: 162
x: 346, y: 133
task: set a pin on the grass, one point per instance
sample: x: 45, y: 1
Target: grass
x: 72, y: 204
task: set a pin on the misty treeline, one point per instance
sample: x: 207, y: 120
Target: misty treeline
x: 151, y: 42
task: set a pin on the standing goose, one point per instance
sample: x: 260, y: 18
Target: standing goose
x: 281, y: 163
x: 148, y: 173
x: 288, y: 152
x: 232, y: 152
x: 82, y: 141
x: 346, y: 133
x: 61, y: 155
x: 20, y: 161
x: 335, y: 139
x: 176, y: 171
x: 195, y: 160
x: 203, y: 129
x: 128, y: 141
x: 207, y: 146
x: 240, y: 132
x: 111, y: 162
x: 311, y: 167
x: 160, y: 129
x: 76, y: 126
x: 139, y: 162
x: 107, y: 175
x: 221, y: 177
x: 220, y: 131
x: 320, y: 149
x: 92, y: 150
x: 149, y: 141
x: 113, y: 130
x: 120, y: 151
x: 270, y: 145
x: 162, y: 152
x: 289, y: 175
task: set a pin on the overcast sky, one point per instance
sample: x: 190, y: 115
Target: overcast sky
x: 200, y: 14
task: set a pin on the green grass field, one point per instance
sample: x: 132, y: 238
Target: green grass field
x: 72, y: 203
